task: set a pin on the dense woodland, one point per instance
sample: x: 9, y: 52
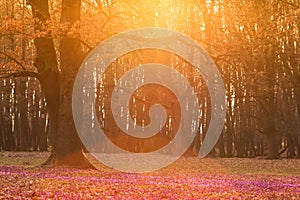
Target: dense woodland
x: 254, y: 43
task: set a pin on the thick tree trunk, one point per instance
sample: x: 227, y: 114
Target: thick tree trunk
x: 57, y: 87
x: 68, y: 149
x: 46, y: 63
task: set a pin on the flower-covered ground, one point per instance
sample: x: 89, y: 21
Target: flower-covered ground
x: 188, y: 178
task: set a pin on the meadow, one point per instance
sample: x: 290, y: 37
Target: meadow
x: 188, y: 178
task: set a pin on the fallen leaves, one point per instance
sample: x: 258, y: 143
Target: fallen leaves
x: 60, y: 183
x: 187, y: 178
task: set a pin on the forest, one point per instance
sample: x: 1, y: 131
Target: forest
x: 254, y: 43
x: 254, y: 46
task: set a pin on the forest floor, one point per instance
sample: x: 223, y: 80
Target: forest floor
x: 187, y: 178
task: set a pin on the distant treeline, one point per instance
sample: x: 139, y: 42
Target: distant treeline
x: 24, y: 126
x: 23, y: 116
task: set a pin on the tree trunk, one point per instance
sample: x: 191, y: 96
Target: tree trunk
x: 57, y: 87
x: 272, y: 142
x: 221, y: 146
x: 68, y: 149
x: 46, y: 63
x: 291, y: 153
x: 23, y: 123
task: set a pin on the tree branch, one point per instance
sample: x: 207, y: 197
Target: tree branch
x: 21, y: 74
x: 84, y: 43
x: 10, y: 57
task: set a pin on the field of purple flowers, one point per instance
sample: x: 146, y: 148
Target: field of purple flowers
x: 188, y: 178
